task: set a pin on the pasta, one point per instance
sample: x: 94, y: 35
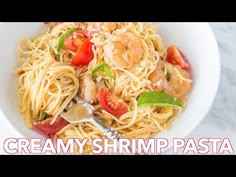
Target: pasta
x: 134, y: 60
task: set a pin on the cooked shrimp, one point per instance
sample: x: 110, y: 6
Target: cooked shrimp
x: 88, y: 89
x: 124, y: 50
x: 166, y: 78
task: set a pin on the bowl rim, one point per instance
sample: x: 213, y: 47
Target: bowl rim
x: 215, y: 89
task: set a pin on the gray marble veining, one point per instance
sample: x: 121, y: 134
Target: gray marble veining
x: 223, y: 112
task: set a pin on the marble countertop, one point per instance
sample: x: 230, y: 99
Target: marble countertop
x: 220, y: 122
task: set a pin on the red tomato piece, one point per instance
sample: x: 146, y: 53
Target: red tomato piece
x: 47, y: 129
x: 176, y: 57
x: 84, y: 55
x: 112, y: 104
x: 79, y: 42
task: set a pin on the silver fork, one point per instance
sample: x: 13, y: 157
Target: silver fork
x: 79, y: 111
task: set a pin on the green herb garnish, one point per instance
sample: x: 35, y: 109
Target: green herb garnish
x: 168, y: 76
x: 157, y: 99
x: 61, y: 39
x: 44, y: 116
x: 103, y: 67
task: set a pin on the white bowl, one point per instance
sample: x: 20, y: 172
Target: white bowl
x: 196, y: 40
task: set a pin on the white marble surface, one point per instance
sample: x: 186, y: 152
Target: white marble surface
x: 220, y: 122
